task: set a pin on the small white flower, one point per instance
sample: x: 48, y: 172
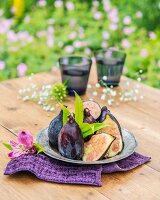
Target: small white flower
x: 104, y: 78
x: 95, y: 93
x: 127, y: 20
x: 97, y: 85
x: 89, y: 86
x: 103, y: 97
x: 139, y: 14
x: 158, y: 63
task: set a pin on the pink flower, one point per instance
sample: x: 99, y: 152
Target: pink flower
x: 2, y: 65
x: 69, y: 6
x: 113, y: 15
x: 104, y: 44
x: 128, y: 30
x: 24, y: 145
x: 125, y: 43
x: 27, y: 19
x: 139, y: 14
x: 97, y: 15
x: 113, y: 27
x: 5, y: 25
x: 152, y: 35
x: 21, y: 68
x: 69, y: 49
x: 127, y: 20
x: 25, y: 138
x: 41, y: 3
x: 106, y: 35
x: 58, y: 3
x: 144, y: 53
x: 107, y: 6
x: 50, y: 40
x: 12, y: 36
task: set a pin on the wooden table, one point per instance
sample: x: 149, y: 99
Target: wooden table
x: 141, y: 118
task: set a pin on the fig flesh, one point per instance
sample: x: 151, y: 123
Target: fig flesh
x: 70, y: 140
x: 97, y: 147
x: 94, y: 108
x: 54, y: 129
x: 113, y: 129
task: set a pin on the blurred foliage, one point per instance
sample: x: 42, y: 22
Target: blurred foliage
x: 37, y: 33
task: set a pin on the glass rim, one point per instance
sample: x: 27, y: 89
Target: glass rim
x: 109, y: 49
x: 89, y: 60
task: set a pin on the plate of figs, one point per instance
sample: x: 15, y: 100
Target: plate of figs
x: 90, y: 135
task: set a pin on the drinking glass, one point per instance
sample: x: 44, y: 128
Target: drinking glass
x: 110, y: 65
x: 76, y: 70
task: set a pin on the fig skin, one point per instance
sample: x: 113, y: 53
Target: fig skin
x: 88, y: 118
x: 70, y: 140
x: 114, y: 129
x: 54, y: 129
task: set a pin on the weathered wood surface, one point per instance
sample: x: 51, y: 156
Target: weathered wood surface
x: 142, y: 118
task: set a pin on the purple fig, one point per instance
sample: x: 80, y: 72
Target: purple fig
x: 54, y: 129
x: 70, y: 140
x: 88, y: 118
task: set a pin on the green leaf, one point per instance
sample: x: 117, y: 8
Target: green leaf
x: 66, y: 82
x: 93, y: 127
x: 85, y: 127
x: 39, y: 148
x: 79, y: 115
x: 66, y: 113
x: 8, y: 146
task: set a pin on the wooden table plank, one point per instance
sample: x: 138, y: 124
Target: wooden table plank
x: 142, y: 183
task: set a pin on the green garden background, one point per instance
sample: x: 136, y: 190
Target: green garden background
x: 35, y: 33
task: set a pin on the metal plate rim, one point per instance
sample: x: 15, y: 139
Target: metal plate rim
x: 80, y: 162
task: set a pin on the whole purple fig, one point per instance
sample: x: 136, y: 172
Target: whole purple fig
x: 70, y: 140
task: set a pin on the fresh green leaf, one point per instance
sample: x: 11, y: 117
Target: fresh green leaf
x: 79, y: 115
x: 39, y: 148
x: 66, y: 82
x: 98, y: 126
x: 8, y: 146
x: 93, y: 127
x: 85, y: 127
x: 66, y: 113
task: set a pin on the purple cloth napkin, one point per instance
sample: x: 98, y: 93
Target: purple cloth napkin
x: 49, y: 169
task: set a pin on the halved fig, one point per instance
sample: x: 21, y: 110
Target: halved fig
x: 113, y: 129
x: 94, y: 108
x: 97, y: 147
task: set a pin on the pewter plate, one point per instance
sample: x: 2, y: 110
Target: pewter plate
x: 130, y: 144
